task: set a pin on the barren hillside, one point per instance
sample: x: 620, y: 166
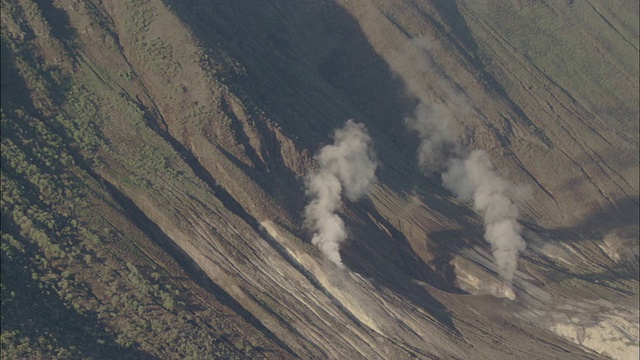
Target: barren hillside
x: 157, y: 157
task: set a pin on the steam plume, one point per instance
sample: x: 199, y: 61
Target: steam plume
x: 347, y: 164
x: 471, y: 177
x: 437, y: 140
x: 476, y: 178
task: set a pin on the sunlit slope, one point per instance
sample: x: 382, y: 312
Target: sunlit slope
x: 154, y: 161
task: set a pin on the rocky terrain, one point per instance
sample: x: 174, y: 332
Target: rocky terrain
x: 155, y: 161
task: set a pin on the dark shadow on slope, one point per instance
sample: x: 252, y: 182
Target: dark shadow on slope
x: 448, y: 243
x: 310, y: 68
x: 437, y: 272
x: 448, y: 10
x: 59, y: 22
x: 277, y: 184
x: 381, y: 252
x: 231, y: 204
x: 468, y: 231
x: 14, y: 89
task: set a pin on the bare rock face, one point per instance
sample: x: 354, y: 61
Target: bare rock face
x: 160, y: 150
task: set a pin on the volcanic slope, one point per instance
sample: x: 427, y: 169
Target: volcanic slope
x: 153, y: 164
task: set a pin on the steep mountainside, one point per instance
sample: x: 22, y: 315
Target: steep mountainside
x: 154, y: 156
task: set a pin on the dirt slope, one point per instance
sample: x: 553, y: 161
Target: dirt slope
x: 153, y: 163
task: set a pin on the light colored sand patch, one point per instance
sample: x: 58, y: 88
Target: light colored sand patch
x: 349, y: 300
x: 474, y: 280
x: 614, y: 336
x: 601, y: 326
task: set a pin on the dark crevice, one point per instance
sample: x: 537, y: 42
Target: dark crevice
x: 533, y: 178
x: 393, y: 264
x: 413, y: 264
x: 615, y: 29
x: 241, y: 136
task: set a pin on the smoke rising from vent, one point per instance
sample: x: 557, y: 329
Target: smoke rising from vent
x: 471, y: 177
x: 437, y: 141
x: 475, y: 178
x: 347, y: 165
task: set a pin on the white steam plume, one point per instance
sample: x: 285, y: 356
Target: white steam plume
x: 471, y: 177
x: 347, y: 164
x: 436, y: 138
x: 476, y: 178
